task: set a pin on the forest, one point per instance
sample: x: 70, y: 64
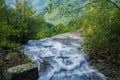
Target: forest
x: 99, y: 21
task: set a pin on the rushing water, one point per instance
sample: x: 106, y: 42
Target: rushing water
x: 64, y: 60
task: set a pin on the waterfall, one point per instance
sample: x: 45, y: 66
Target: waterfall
x: 61, y: 60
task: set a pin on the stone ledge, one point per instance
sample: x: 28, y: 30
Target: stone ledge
x: 22, y: 72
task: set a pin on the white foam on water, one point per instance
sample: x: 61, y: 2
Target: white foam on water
x: 66, y: 62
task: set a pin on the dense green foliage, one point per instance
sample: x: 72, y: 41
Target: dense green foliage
x: 101, y: 28
x: 100, y: 22
x: 5, y: 29
x: 18, y: 25
x: 54, y: 30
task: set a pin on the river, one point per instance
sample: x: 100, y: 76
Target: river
x: 64, y: 60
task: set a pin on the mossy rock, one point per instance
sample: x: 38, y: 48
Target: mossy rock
x: 22, y: 72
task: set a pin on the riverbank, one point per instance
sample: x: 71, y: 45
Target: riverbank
x: 109, y: 70
x: 12, y: 59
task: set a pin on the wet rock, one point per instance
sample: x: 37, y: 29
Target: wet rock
x: 3, y: 52
x: 108, y: 70
x: 22, y: 72
x: 70, y: 35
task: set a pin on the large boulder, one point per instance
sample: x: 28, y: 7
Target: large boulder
x: 22, y: 72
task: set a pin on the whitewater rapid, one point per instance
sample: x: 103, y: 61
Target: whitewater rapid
x: 64, y: 60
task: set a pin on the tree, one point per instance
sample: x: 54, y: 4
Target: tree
x: 100, y: 23
x: 5, y: 29
x: 18, y: 25
x: 17, y: 18
x: 101, y: 28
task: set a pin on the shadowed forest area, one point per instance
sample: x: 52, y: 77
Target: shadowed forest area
x: 99, y: 21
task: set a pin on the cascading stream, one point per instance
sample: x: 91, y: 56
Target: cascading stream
x: 64, y: 61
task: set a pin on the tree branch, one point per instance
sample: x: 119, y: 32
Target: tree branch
x: 113, y: 4
x: 97, y: 1
x: 87, y: 4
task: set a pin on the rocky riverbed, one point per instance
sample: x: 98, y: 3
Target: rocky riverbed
x: 109, y: 70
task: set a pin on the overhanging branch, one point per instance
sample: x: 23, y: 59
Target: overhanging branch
x: 113, y: 4
x: 87, y: 4
x: 118, y: 7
